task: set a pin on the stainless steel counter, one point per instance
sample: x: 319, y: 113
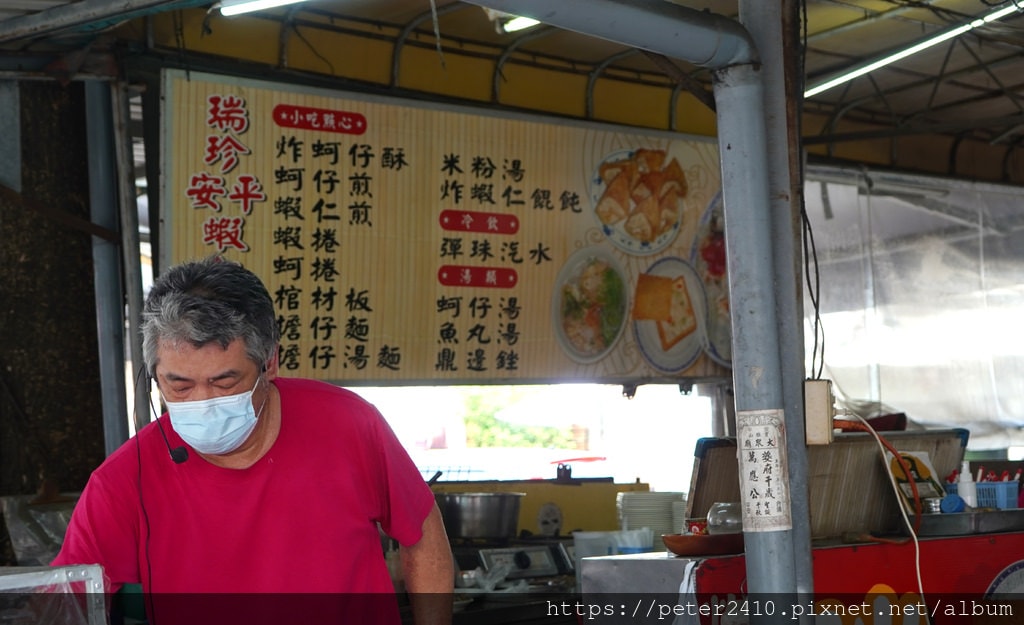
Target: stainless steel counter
x: 977, y: 522
x: 654, y: 572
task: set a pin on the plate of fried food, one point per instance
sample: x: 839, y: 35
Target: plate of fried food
x: 669, y: 314
x: 638, y: 199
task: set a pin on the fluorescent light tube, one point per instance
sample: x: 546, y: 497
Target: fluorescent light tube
x: 518, y: 23
x: 945, y: 35
x: 237, y: 7
x: 508, y: 23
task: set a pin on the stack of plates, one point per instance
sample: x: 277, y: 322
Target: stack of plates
x: 679, y: 517
x: 649, y: 509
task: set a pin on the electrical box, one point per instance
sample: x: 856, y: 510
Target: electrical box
x: 819, y: 411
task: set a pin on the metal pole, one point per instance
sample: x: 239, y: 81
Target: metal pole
x: 83, y: 14
x: 10, y: 135
x: 756, y: 363
x: 106, y: 264
x: 767, y: 23
x: 131, y: 255
x: 702, y: 38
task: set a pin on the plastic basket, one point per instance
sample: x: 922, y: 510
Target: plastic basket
x: 1000, y: 495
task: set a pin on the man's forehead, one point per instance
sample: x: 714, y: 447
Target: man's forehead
x: 181, y: 360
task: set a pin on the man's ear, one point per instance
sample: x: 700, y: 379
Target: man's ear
x: 271, y: 367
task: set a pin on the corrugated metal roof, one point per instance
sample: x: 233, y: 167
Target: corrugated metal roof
x: 971, y: 86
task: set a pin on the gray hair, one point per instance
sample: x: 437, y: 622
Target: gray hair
x: 207, y: 301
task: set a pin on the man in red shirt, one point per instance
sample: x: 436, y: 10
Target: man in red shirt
x: 253, y: 484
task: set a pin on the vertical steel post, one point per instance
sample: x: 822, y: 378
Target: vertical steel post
x: 756, y: 362
x: 106, y: 264
x: 767, y: 23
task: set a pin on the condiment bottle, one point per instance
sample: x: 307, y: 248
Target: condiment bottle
x: 966, y: 487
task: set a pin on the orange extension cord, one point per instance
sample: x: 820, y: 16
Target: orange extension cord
x: 906, y: 471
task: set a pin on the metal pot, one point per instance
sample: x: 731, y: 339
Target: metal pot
x: 480, y: 515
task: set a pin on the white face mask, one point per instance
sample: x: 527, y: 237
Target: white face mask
x: 218, y: 425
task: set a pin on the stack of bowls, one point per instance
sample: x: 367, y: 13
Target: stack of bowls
x: 637, y: 509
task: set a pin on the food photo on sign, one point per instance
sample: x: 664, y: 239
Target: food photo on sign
x: 656, y: 274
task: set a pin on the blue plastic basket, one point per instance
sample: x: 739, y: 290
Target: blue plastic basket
x: 1000, y: 495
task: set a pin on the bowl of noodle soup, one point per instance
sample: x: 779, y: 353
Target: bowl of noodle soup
x: 590, y: 304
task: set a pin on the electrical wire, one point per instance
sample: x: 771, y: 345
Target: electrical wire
x: 914, y: 528
x: 312, y: 48
x: 813, y: 279
x: 810, y: 252
x: 948, y: 16
x: 147, y: 593
x: 437, y: 32
x: 147, y: 589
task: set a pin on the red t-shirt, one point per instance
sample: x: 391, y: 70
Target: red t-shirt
x: 303, y: 519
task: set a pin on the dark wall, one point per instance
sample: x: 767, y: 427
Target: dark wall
x: 51, y: 422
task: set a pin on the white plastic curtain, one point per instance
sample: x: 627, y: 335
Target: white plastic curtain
x: 921, y: 298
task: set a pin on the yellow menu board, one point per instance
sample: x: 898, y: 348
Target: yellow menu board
x: 405, y: 242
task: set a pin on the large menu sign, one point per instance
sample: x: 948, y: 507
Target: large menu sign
x: 411, y: 243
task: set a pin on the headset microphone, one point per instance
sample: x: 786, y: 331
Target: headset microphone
x: 178, y: 454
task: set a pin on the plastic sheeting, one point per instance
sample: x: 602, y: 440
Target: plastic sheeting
x: 921, y: 297
x: 37, y: 526
x: 69, y: 595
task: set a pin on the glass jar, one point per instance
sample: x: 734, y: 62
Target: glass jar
x: 725, y: 517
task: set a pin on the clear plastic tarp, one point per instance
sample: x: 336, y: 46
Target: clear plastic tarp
x: 67, y: 595
x: 921, y: 297
x: 37, y: 525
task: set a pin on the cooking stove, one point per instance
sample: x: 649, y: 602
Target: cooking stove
x: 531, y: 558
x: 540, y: 570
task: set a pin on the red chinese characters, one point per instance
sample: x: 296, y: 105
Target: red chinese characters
x: 224, y: 233
x: 226, y: 149
x: 246, y: 191
x: 204, y: 189
x: 228, y: 117
x: 227, y: 113
x: 476, y: 221
x: 480, y: 277
x: 325, y: 120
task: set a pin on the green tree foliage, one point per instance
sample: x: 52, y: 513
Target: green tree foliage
x: 484, y: 429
